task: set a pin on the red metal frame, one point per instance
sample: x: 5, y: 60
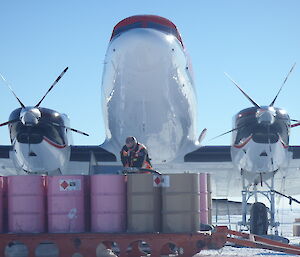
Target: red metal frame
x: 159, y: 243
x: 86, y: 243
x: 255, y: 241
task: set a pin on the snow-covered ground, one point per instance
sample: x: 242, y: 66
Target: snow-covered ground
x: 285, y: 216
x: 229, y: 251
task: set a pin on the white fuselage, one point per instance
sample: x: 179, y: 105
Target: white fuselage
x: 259, y: 161
x: 45, y: 157
x: 148, y: 92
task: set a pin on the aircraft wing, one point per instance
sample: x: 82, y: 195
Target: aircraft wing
x: 288, y: 181
x: 83, y: 154
x: 226, y: 178
x: 216, y: 160
x: 6, y: 165
x: 80, y: 159
x: 89, y: 159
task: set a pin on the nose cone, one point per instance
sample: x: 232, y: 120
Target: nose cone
x: 266, y: 116
x: 144, y: 49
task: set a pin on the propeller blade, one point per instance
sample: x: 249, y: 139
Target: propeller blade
x: 248, y: 97
x: 202, y: 135
x: 295, y: 125
x: 54, y: 83
x: 75, y: 130
x: 287, y: 76
x: 8, y: 122
x: 227, y: 132
x: 10, y: 88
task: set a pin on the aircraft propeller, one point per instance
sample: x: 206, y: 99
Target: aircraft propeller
x: 295, y: 124
x: 286, y: 78
x: 227, y: 132
x: 30, y: 116
x: 51, y: 87
x: 244, y: 93
x: 10, y: 88
x: 265, y: 115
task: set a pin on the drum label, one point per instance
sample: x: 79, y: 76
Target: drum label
x: 161, y: 181
x: 69, y: 185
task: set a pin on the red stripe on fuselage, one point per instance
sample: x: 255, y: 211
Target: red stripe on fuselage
x: 283, y: 144
x: 243, y: 114
x: 53, y: 144
x: 244, y: 143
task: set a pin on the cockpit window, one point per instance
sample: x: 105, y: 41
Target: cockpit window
x: 163, y: 28
x: 127, y: 27
x: 146, y: 21
x: 264, y: 135
x: 35, y: 134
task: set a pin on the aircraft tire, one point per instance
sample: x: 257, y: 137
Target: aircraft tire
x: 259, y: 219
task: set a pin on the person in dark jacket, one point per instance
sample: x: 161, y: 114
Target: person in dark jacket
x: 135, y: 154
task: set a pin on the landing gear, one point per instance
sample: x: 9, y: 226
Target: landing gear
x: 259, y: 219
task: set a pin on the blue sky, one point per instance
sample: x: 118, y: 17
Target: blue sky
x: 255, y: 41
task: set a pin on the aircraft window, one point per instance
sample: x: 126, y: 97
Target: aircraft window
x: 149, y: 24
x: 127, y: 27
x: 245, y: 123
x: 29, y: 138
x: 163, y: 28
x: 244, y: 132
x: 13, y: 130
x: 35, y: 134
x: 264, y: 138
x: 53, y: 133
x: 263, y: 134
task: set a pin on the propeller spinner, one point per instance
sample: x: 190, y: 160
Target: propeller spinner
x: 30, y: 116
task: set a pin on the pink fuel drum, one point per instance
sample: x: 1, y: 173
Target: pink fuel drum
x: 108, y: 203
x: 26, y: 204
x: 66, y: 204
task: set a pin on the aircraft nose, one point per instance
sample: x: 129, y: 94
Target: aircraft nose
x: 144, y: 49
